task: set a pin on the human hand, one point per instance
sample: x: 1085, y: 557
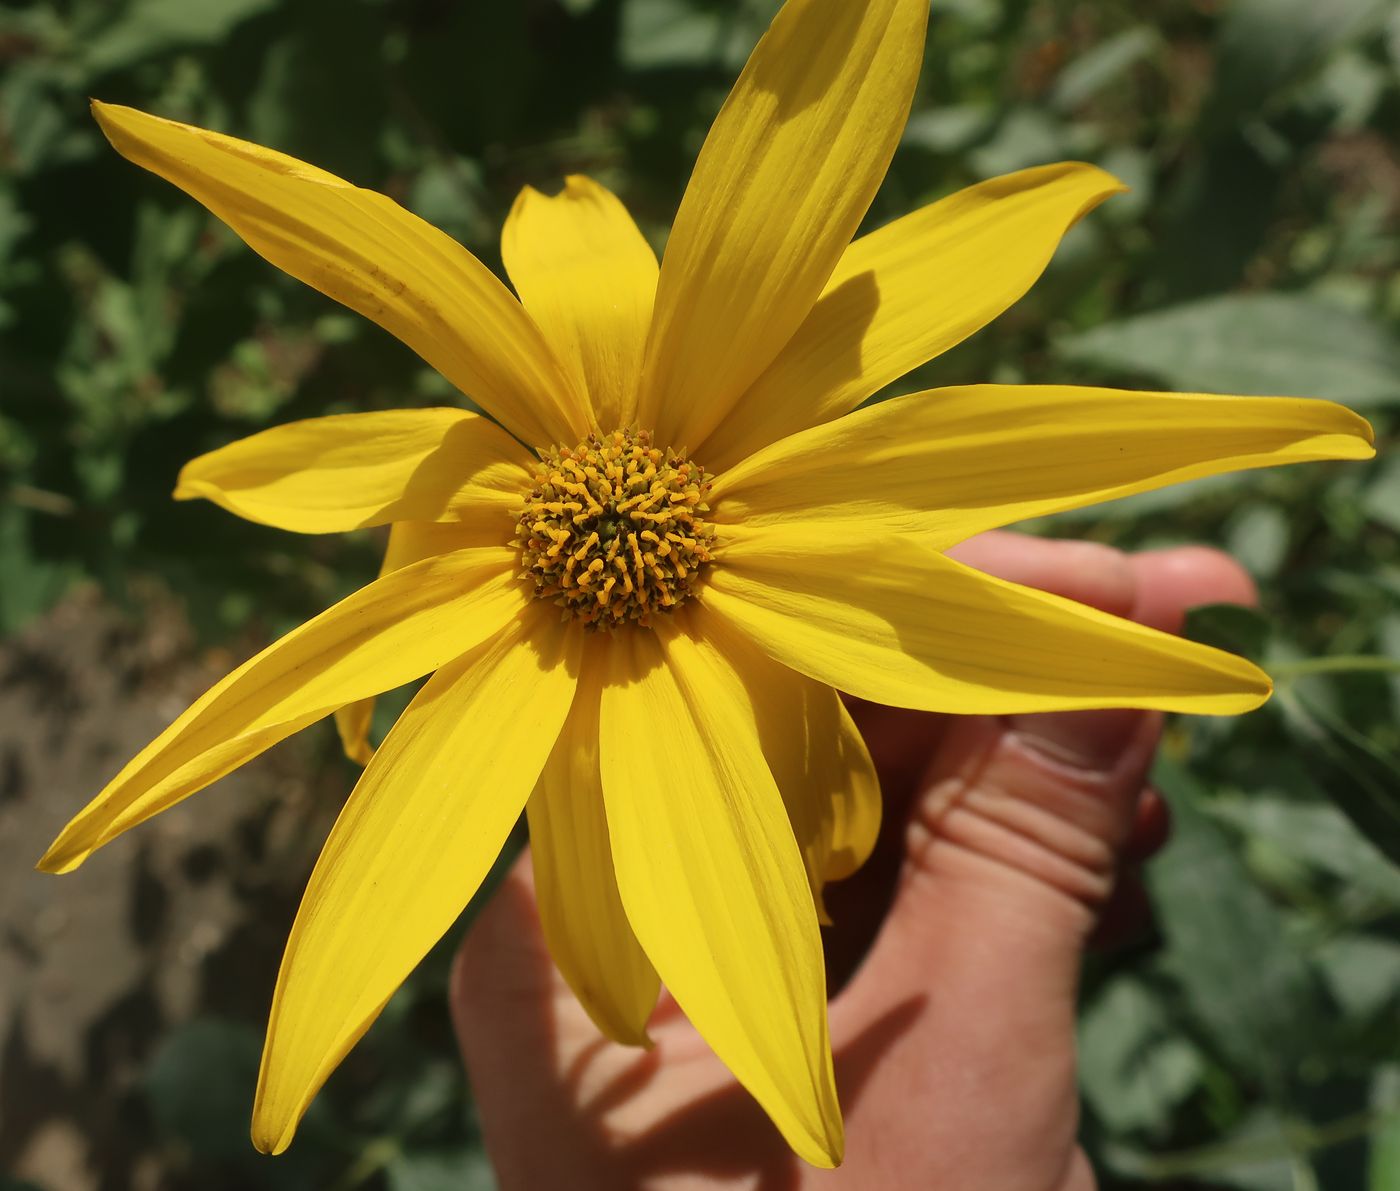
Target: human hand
x: 959, y: 947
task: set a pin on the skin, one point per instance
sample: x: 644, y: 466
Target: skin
x: 1006, y: 844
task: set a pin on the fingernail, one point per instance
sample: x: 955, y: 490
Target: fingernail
x: 1093, y: 740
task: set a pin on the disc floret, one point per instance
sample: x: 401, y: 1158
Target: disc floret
x: 614, y: 530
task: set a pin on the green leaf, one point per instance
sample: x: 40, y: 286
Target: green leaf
x: 1384, y: 1173
x: 677, y: 33
x: 949, y: 129
x: 200, y: 1086
x: 1133, y: 1067
x: 1258, y: 536
x: 1362, y: 972
x: 1264, y: 45
x: 32, y: 585
x: 15, y: 224
x: 1351, y: 87
x: 1255, y: 1156
x: 1318, y: 834
x: 459, y: 1168
x: 38, y: 130
x: 1253, y: 344
x: 1245, y: 981
x: 1090, y: 72
x: 151, y: 27
x: 1382, y: 499
x: 1029, y: 136
x: 1230, y: 627
x: 1213, y: 215
x: 1359, y: 776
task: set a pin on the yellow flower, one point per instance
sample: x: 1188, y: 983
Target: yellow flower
x: 639, y: 587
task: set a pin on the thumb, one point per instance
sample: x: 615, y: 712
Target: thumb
x: 1017, y: 824
x: 1012, y: 830
x: 1010, y: 847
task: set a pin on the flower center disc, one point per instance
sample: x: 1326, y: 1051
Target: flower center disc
x: 613, y: 529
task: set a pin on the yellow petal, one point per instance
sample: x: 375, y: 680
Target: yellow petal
x: 856, y: 804
x: 409, y: 542
x: 352, y: 725
x: 348, y: 471
x: 580, y: 910
x: 816, y: 755
x: 950, y: 463
x: 783, y: 181
x: 588, y: 277
x: 890, y: 620
x: 410, y: 848
x: 365, y: 251
x: 907, y: 293
x: 386, y: 634
x: 712, y: 879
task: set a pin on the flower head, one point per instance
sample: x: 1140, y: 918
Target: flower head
x: 640, y: 582
x: 614, y: 529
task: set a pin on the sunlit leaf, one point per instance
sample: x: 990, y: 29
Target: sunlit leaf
x: 1229, y: 948
x: 1085, y: 76
x: 1134, y: 1066
x: 1266, y: 44
x: 149, y: 27
x: 1284, y: 344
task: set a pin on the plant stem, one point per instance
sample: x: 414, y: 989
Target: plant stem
x: 1336, y: 664
x: 1295, y: 1139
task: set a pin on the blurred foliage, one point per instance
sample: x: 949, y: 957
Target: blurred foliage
x: 1252, y: 1042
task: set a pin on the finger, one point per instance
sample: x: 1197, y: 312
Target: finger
x: 1087, y: 572
x: 518, y: 1027
x: 1173, y: 580
x: 901, y: 741
x: 1005, y: 850
x: 1154, y: 588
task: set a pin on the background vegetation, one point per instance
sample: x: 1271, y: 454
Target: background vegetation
x: 1251, y: 1042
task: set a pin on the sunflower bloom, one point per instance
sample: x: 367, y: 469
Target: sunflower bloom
x: 639, y: 584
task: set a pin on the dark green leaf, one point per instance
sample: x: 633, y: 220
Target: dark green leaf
x: 1266, y: 44
x: 1231, y: 627
x: 200, y: 1086
x: 1355, y: 773
x: 1229, y: 947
